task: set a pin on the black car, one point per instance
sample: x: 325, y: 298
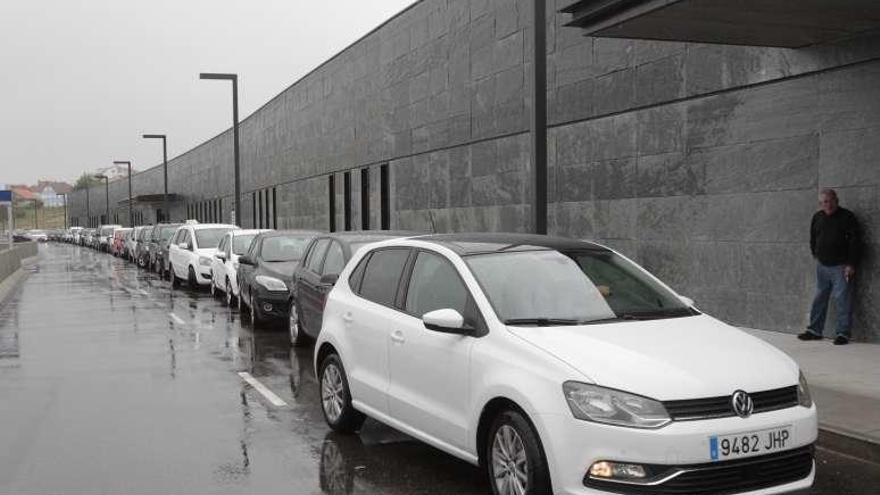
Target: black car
x: 158, y: 243
x: 312, y: 280
x: 264, y: 272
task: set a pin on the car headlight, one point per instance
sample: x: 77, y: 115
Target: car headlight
x: 271, y: 283
x: 804, y: 397
x: 204, y: 261
x: 613, y: 407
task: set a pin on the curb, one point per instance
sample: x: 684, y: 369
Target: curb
x: 9, y: 286
x: 849, y: 443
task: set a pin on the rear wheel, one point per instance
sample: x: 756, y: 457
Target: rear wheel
x: 229, y: 295
x: 191, y: 278
x: 297, y: 336
x: 514, y: 459
x: 213, y: 289
x: 175, y: 282
x: 340, y: 415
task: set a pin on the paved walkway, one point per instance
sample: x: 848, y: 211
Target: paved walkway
x: 844, y: 381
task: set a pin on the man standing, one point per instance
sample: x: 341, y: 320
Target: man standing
x: 834, y: 242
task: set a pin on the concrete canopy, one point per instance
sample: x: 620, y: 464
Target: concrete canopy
x: 774, y: 23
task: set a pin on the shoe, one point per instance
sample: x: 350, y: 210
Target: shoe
x: 841, y: 340
x: 809, y: 336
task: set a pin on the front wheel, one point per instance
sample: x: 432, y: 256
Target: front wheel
x: 175, y: 282
x: 191, y: 278
x: 514, y: 458
x: 340, y: 415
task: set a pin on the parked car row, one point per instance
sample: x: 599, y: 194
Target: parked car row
x: 556, y: 365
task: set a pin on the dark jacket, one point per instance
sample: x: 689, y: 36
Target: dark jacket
x: 834, y: 239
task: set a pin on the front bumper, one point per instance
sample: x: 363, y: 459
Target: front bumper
x: 203, y: 275
x: 572, y: 446
x: 272, y: 304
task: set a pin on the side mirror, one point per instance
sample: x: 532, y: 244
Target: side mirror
x: 329, y: 279
x: 687, y: 301
x: 245, y: 260
x: 220, y: 255
x: 445, y: 321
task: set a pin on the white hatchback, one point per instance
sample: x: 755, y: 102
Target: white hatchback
x: 559, y: 366
x: 224, y: 266
x: 191, y: 250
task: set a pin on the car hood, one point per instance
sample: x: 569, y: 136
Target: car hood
x: 280, y: 269
x: 670, y: 359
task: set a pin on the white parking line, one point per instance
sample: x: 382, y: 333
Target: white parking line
x: 259, y: 387
x: 176, y: 319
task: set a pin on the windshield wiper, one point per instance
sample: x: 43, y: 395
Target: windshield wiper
x: 541, y: 322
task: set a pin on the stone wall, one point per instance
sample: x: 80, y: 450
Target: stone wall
x: 701, y: 162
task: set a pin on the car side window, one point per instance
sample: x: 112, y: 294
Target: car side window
x: 357, y: 275
x: 316, y: 257
x: 435, y: 284
x: 382, y: 275
x: 335, y: 260
x: 187, y: 238
x: 222, y: 246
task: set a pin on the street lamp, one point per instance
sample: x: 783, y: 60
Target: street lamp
x: 65, y: 208
x: 130, y: 215
x: 36, y: 222
x: 234, y: 79
x: 538, y: 117
x: 107, y: 191
x: 165, y: 169
x: 88, y: 207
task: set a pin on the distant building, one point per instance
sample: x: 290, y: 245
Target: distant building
x: 114, y: 172
x: 48, y: 192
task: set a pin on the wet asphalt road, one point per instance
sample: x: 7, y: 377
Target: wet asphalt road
x: 112, y: 383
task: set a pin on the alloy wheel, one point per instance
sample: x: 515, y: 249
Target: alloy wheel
x: 332, y: 390
x: 510, y: 471
x: 293, y: 323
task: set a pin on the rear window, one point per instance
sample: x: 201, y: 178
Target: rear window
x: 167, y: 232
x: 382, y: 275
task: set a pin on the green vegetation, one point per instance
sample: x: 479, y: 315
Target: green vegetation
x: 48, y: 218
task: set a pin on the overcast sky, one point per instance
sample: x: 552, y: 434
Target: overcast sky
x: 81, y: 80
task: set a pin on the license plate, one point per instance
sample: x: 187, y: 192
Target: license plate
x: 724, y: 447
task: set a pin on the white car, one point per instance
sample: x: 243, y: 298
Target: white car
x: 37, y: 235
x: 105, y: 233
x: 224, y: 265
x: 191, y: 250
x: 559, y: 366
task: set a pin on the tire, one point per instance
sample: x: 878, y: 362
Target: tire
x: 242, y: 307
x: 229, y: 296
x: 213, y: 289
x: 513, y: 455
x: 298, y: 338
x: 257, y: 317
x: 175, y: 282
x: 339, y: 414
x: 191, y: 278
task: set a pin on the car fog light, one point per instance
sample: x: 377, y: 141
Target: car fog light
x: 617, y: 471
x: 267, y: 307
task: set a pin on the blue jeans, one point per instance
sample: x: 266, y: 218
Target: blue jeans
x: 831, y: 282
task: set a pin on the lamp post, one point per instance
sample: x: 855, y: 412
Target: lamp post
x: 107, y: 192
x: 88, y: 207
x: 539, y: 118
x: 36, y: 220
x: 64, y: 196
x: 165, y: 171
x: 130, y: 214
x: 234, y: 79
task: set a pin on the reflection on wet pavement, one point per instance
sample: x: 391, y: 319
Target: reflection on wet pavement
x: 112, y: 383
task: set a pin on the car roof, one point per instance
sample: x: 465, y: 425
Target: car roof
x: 201, y: 226
x: 282, y: 233
x: 482, y: 243
x: 369, y: 235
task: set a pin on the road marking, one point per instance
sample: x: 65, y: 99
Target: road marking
x: 176, y: 319
x: 259, y: 387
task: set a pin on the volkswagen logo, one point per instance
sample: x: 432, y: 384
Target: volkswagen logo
x: 742, y: 404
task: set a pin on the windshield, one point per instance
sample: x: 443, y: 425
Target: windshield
x: 282, y: 248
x: 554, y: 288
x: 241, y: 243
x: 167, y: 232
x: 209, y: 238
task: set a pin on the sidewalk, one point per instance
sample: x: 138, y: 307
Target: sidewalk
x: 845, y: 384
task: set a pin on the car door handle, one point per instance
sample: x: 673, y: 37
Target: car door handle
x: 347, y: 318
x: 397, y: 337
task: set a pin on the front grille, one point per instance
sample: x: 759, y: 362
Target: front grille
x: 722, y: 407
x: 720, y: 478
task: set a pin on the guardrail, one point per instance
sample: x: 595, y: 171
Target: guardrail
x: 10, y: 259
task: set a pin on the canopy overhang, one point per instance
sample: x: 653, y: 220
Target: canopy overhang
x: 772, y: 23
